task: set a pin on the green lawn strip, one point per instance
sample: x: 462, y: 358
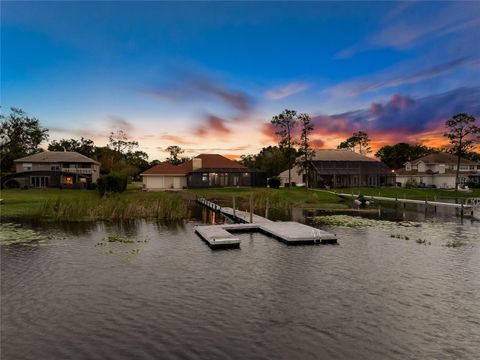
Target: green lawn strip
x: 297, y: 197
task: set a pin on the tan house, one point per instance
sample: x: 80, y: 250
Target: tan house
x: 64, y: 169
x: 204, y: 170
x: 341, y: 168
x: 438, y: 170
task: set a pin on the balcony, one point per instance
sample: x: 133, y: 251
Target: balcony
x: 78, y: 170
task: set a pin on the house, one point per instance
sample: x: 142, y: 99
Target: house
x: 204, y: 170
x: 64, y: 169
x: 438, y: 170
x: 342, y: 168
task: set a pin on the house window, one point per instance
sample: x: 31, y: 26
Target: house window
x: 55, y: 167
x: 68, y: 180
x: 27, y: 167
x: 235, y: 179
x: 38, y: 181
x: 204, y: 177
x: 472, y: 167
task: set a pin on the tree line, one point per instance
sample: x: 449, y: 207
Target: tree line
x: 22, y: 135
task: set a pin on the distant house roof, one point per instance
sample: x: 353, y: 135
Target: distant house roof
x: 210, y: 162
x: 340, y: 155
x: 56, y: 157
x: 441, y: 158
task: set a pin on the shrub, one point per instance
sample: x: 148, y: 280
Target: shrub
x: 274, y: 182
x: 113, y: 182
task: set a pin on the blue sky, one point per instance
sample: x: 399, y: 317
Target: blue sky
x: 209, y: 76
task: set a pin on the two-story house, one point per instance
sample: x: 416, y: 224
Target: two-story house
x: 64, y: 169
x: 438, y: 170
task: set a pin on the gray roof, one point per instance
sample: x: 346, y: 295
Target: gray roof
x: 56, y: 157
x: 340, y: 155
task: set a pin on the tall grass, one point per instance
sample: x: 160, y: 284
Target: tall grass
x: 115, y: 207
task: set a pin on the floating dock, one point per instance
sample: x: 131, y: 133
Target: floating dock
x: 289, y: 232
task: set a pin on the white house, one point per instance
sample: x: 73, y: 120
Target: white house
x: 437, y: 170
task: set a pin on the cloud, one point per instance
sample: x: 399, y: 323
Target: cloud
x: 119, y: 123
x: 404, y: 32
x: 213, y: 125
x: 401, y: 118
x: 359, y: 86
x: 286, y: 91
x: 175, y: 139
x: 188, y: 86
x: 403, y: 114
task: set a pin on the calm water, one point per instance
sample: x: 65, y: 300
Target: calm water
x: 168, y: 296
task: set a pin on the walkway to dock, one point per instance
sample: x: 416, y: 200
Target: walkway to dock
x: 289, y: 232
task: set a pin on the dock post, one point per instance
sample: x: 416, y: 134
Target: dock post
x: 266, y: 208
x: 461, y: 210
x: 251, y: 208
x: 233, y: 205
x: 426, y: 206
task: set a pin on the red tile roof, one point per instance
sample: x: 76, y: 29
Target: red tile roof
x: 211, y: 161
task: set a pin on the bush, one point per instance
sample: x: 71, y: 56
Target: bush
x: 113, y: 182
x: 91, y: 186
x: 274, y: 182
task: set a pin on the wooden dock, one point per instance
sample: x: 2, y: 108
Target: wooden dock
x: 289, y: 232
x: 471, y: 208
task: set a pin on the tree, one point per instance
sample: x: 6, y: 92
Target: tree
x: 119, y: 142
x: 271, y: 159
x: 462, y: 132
x: 395, y: 156
x: 305, y: 151
x: 284, y: 125
x: 358, y: 140
x: 83, y: 146
x: 175, y: 151
x: 139, y: 160
x: 20, y: 135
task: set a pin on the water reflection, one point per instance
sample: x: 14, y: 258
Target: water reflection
x: 371, y: 297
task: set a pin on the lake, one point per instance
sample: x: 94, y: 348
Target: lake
x: 72, y: 294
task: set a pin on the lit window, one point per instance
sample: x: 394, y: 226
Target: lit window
x: 68, y: 180
x: 204, y: 177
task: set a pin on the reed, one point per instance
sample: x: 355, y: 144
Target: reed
x: 115, y: 207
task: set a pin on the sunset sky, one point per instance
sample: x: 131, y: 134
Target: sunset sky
x: 209, y: 76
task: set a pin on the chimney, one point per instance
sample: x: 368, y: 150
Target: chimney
x: 196, y: 163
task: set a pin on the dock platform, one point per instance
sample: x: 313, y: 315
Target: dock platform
x: 289, y: 232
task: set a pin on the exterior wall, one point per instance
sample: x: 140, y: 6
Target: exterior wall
x: 295, y: 176
x: 164, y: 182
x: 92, y: 171
x: 440, y: 181
x: 225, y: 179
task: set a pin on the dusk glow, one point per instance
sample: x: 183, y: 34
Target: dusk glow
x: 209, y: 76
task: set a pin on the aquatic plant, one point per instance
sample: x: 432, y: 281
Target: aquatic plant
x: 119, y: 239
x: 15, y: 234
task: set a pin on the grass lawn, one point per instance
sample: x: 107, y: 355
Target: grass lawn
x: 297, y: 197
x: 416, y: 194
